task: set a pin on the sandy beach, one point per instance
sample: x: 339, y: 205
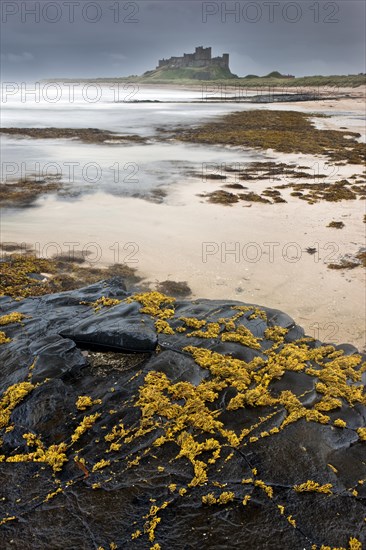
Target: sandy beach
x: 250, y: 252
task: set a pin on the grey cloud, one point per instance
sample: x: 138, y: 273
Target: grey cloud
x: 117, y: 46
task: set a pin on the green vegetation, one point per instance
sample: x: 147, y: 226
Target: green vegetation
x: 331, y: 192
x: 336, y: 225
x: 86, y: 135
x: 310, y: 191
x: 352, y: 81
x: 253, y: 197
x: 283, y: 131
x: 250, y: 81
x: 274, y: 74
x: 351, y: 261
x: 24, y: 192
x: 222, y: 197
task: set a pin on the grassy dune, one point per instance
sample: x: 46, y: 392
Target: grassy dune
x: 250, y: 82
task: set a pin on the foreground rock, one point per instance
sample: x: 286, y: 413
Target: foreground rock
x: 145, y: 422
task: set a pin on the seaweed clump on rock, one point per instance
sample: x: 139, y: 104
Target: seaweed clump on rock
x: 223, y: 425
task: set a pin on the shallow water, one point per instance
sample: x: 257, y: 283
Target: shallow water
x: 115, y: 109
x: 124, y: 170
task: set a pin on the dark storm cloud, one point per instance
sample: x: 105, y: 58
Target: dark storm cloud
x: 43, y: 39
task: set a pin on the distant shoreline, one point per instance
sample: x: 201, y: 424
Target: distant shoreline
x: 336, y: 81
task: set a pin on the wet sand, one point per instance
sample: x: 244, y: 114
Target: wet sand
x: 193, y: 242
x: 170, y: 241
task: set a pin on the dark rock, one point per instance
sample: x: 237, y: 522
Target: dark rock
x: 67, y: 351
x: 55, y: 357
x: 177, y: 367
x: 47, y: 411
x: 120, y: 328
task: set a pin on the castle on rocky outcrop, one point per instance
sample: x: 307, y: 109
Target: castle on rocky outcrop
x: 200, y: 58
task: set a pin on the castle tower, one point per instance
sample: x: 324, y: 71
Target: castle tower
x: 203, y: 54
x: 225, y: 59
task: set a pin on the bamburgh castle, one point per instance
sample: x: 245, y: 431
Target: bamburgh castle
x: 200, y: 58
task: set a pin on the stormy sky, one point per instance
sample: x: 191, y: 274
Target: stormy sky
x: 82, y: 38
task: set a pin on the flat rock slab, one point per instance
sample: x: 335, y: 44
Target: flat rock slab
x: 121, y: 328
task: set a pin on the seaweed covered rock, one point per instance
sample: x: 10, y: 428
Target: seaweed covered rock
x: 139, y: 421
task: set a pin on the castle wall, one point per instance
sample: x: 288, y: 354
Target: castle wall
x: 201, y: 58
